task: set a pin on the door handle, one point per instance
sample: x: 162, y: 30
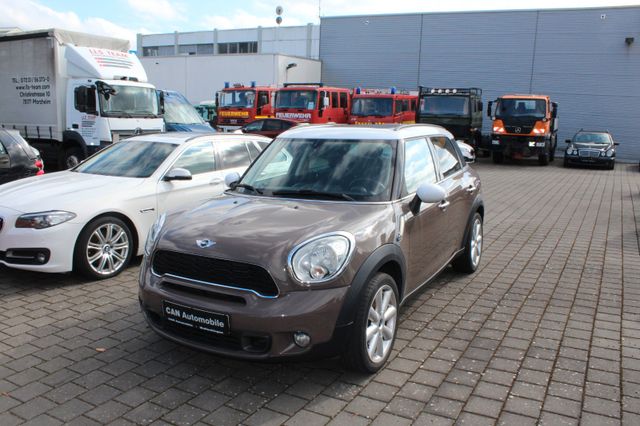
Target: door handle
x: 215, y: 181
x: 443, y: 205
x: 471, y: 189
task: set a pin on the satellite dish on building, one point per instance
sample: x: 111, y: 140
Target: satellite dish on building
x: 279, y: 10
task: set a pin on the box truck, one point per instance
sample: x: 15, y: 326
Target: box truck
x: 71, y: 94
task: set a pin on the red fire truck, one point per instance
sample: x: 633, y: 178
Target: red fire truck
x: 380, y: 106
x: 313, y: 103
x: 239, y: 105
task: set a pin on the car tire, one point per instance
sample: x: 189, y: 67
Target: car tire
x: 72, y: 156
x: 543, y: 159
x: 552, y: 153
x: 497, y: 157
x: 375, y: 326
x: 470, y: 258
x: 565, y: 163
x: 612, y: 165
x: 104, y: 248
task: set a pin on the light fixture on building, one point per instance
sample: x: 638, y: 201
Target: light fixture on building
x: 291, y: 65
x: 629, y: 40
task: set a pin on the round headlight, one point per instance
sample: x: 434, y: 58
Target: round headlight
x: 322, y: 258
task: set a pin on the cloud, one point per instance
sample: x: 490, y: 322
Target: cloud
x: 158, y: 10
x: 31, y: 15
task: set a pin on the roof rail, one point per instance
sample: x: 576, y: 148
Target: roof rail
x: 303, y: 84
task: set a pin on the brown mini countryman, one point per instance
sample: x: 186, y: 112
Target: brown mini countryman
x: 316, y: 247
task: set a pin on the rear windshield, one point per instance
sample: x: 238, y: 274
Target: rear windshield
x: 138, y: 159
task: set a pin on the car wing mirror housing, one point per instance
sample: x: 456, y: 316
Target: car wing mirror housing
x: 431, y: 193
x: 177, y: 173
x: 568, y: 140
x: 231, y: 179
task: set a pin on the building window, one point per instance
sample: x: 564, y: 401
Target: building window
x: 187, y: 49
x: 204, y: 49
x: 158, y: 51
x: 241, y: 47
x: 150, y: 51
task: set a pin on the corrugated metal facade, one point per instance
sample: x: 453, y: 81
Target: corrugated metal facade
x: 578, y: 57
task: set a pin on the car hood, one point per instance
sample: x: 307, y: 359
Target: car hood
x: 63, y: 190
x: 264, y: 230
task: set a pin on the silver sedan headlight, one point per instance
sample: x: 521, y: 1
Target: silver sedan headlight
x: 321, y: 258
x: 153, y: 234
x: 41, y: 220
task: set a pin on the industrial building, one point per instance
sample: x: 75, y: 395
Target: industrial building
x: 587, y: 59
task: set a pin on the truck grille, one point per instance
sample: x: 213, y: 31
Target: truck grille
x: 525, y: 130
x: 242, y: 276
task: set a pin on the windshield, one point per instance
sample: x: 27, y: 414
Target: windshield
x: 301, y: 99
x: 138, y: 159
x: 513, y: 108
x: 237, y: 98
x: 356, y: 170
x: 602, y: 138
x: 177, y: 110
x: 129, y: 101
x: 381, y: 107
x: 207, y: 112
x: 444, y: 105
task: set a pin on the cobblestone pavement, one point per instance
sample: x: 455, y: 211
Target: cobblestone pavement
x: 547, y: 331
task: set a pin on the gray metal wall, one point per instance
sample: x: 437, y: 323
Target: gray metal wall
x: 579, y: 57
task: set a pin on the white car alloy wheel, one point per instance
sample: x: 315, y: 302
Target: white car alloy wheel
x: 381, y: 324
x: 476, y: 242
x: 107, y: 250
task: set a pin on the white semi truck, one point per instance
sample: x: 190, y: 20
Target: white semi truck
x: 71, y: 94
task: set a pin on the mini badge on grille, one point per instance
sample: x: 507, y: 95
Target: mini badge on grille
x: 205, y: 243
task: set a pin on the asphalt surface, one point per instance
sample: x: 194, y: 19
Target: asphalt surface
x: 547, y: 331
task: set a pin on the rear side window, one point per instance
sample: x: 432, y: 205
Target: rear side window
x: 253, y: 150
x: 271, y: 125
x: 234, y: 154
x: 334, y: 99
x: 343, y: 100
x: 197, y: 159
x: 446, y: 155
x: 256, y: 126
x: 3, y: 151
x: 418, y: 165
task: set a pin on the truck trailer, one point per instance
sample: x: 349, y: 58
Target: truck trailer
x: 71, y: 94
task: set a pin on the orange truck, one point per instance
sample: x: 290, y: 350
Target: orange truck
x: 380, y: 106
x: 523, y: 126
x: 239, y: 105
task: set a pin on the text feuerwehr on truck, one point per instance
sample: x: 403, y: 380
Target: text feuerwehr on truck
x: 70, y: 94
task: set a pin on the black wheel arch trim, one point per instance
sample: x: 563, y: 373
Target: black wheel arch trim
x: 73, y: 138
x: 383, y: 255
x: 478, y: 206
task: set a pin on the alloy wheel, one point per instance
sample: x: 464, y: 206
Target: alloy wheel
x: 381, y: 324
x: 107, y: 249
x: 476, y: 242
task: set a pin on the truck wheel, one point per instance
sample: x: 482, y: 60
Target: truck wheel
x: 104, y: 248
x: 497, y: 157
x: 71, y: 157
x: 543, y: 159
x: 552, y: 153
x: 374, y: 329
x: 469, y: 260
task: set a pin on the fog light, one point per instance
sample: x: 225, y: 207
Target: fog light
x: 41, y: 258
x: 301, y: 338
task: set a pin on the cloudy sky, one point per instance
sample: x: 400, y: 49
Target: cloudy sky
x: 125, y: 18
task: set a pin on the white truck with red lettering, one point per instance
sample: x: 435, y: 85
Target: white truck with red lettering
x: 71, y: 94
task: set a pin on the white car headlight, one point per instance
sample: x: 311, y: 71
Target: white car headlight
x: 322, y: 258
x: 152, y: 236
x: 41, y: 220
x: 610, y: 152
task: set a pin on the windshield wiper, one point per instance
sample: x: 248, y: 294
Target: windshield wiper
x: 249, y: 187
x: 312, y: 192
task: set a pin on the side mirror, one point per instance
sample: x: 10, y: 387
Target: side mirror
x: 177, y: 174
x: 161, y: 103
x: 568, y: 140
x: 325, y: 102
x: 431, y: 193
x: 479, y: 105
x: 231, y: 178
x: 616, y: 143
x: 467, y: 151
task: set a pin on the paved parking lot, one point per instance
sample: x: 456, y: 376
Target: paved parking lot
x: 547, y: 331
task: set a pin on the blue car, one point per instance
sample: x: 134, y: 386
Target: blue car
x: 180, y: 115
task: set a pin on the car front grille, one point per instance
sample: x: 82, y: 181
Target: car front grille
x: 588, y: 153
x: 207, y: 270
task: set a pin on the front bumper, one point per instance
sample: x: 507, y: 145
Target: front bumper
x: 20, y: 247
x: 259, y: 328
x: 525, y: 146
x: 597, y: 161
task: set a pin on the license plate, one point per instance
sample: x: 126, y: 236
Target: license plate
x: 495, y: 142
x: 232, y: 121
x: 540, y: 144
x: 208, y: 322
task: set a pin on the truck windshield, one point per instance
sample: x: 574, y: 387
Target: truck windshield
x: 352, y: 170
x: 237, y: 98
x: 137, y: 159
x: 380, y: 107
x: 301, y: 99
x: 129, y: 101
x: 177, y: 110
x: 512, y: 108
x: 444, y: 105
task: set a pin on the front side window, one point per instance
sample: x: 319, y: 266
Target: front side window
x: 3, y: 151
x: 234, y: 154
x: 302, y: 99
x: 446, y: 155
x: 354, y: 170
x: 198, y: 158
x: 381, y: 107
x: 237, y: 98
x: 255, y: 126
x: 418, y: 165
x: 128, y: 101
x: 129, y: 158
